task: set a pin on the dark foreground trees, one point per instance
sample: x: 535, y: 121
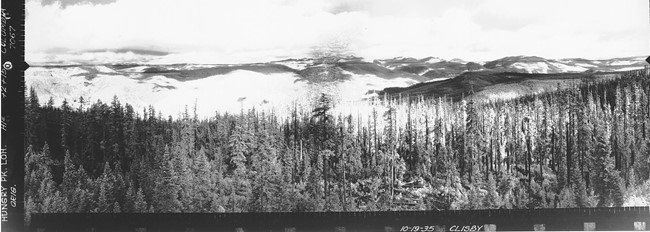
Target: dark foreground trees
x: 583, y: 147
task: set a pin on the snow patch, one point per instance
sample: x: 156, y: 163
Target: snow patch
x: 622, y: 62
x: 536, y: 67
x: 458, y: 61
x: 548, y: 67
x: 586, y: 65
x: 569, y: 68
x: 136, y: 69
x: 239, y: 88
x: 433, y: 60
x: 297, y: 65
x: 104, y: 69
x: 502, y: 95
x: 357, y: 87
x: 197, y: 66
x: 627, y: 69
x: 438, y: 79
x: 424, y: 72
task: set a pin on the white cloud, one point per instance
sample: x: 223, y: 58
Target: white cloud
x: 260, y: 30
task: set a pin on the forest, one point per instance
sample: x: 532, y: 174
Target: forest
x: 586, y: 146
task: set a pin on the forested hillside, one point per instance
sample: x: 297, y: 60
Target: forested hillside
x: 586, y: 146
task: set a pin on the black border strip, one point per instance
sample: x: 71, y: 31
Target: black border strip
x: 12, y: 161
x: 614, y: 218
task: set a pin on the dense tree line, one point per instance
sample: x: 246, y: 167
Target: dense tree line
x: 577, y: 147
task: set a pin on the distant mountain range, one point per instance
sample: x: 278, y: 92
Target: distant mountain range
x: 513, y: 76
x: 281, y: 83
x: 488, y: 85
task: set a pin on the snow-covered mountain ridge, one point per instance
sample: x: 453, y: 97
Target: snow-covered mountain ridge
x: 278, y: 84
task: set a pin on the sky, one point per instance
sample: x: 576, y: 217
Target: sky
x: 245, y: 31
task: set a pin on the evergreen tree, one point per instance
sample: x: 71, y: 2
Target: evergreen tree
x: 566, y: 198
x: 238, y: 149
x: 106, y: 193
x: 472, y: 138
x: 70, y: 177
x: 266, y: 175
x: 129, y: 203
x: 216, y: 204
x: 492, y: 199
x: 165, y: 197
x: 203, y: 183
x: 55, y: 203
x: 116, y: 208
x: 609, y: 183
x: 140, y: 204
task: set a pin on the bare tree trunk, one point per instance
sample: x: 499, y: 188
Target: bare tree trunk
x: 376, y: 148
x: 568, y: 155
x: 344, y: 161
x: 553, y: 155
x: 392, y: 183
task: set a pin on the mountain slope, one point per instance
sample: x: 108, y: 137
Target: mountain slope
x: 430, y: 67
x: 170, y: 88
x: 494, y: 84
x: 278, y: 84
x: 532, y: 64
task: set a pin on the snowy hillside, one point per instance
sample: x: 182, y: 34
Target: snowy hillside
x: 171, y: 88
x: 219, y: 92
x: 533, y: 64
x: 278, y: 85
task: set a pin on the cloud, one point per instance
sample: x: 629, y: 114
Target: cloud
x: 495, y: 21
x: 205, y: 31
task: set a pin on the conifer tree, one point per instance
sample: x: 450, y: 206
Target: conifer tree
x: 203, y: 183
x: 492, y: 199
x: 608, y: 184
x: 140, y: 204
x: 130, y: 199
x: 472, y: 137
x: 106, y: 193
x: 165, y: 197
